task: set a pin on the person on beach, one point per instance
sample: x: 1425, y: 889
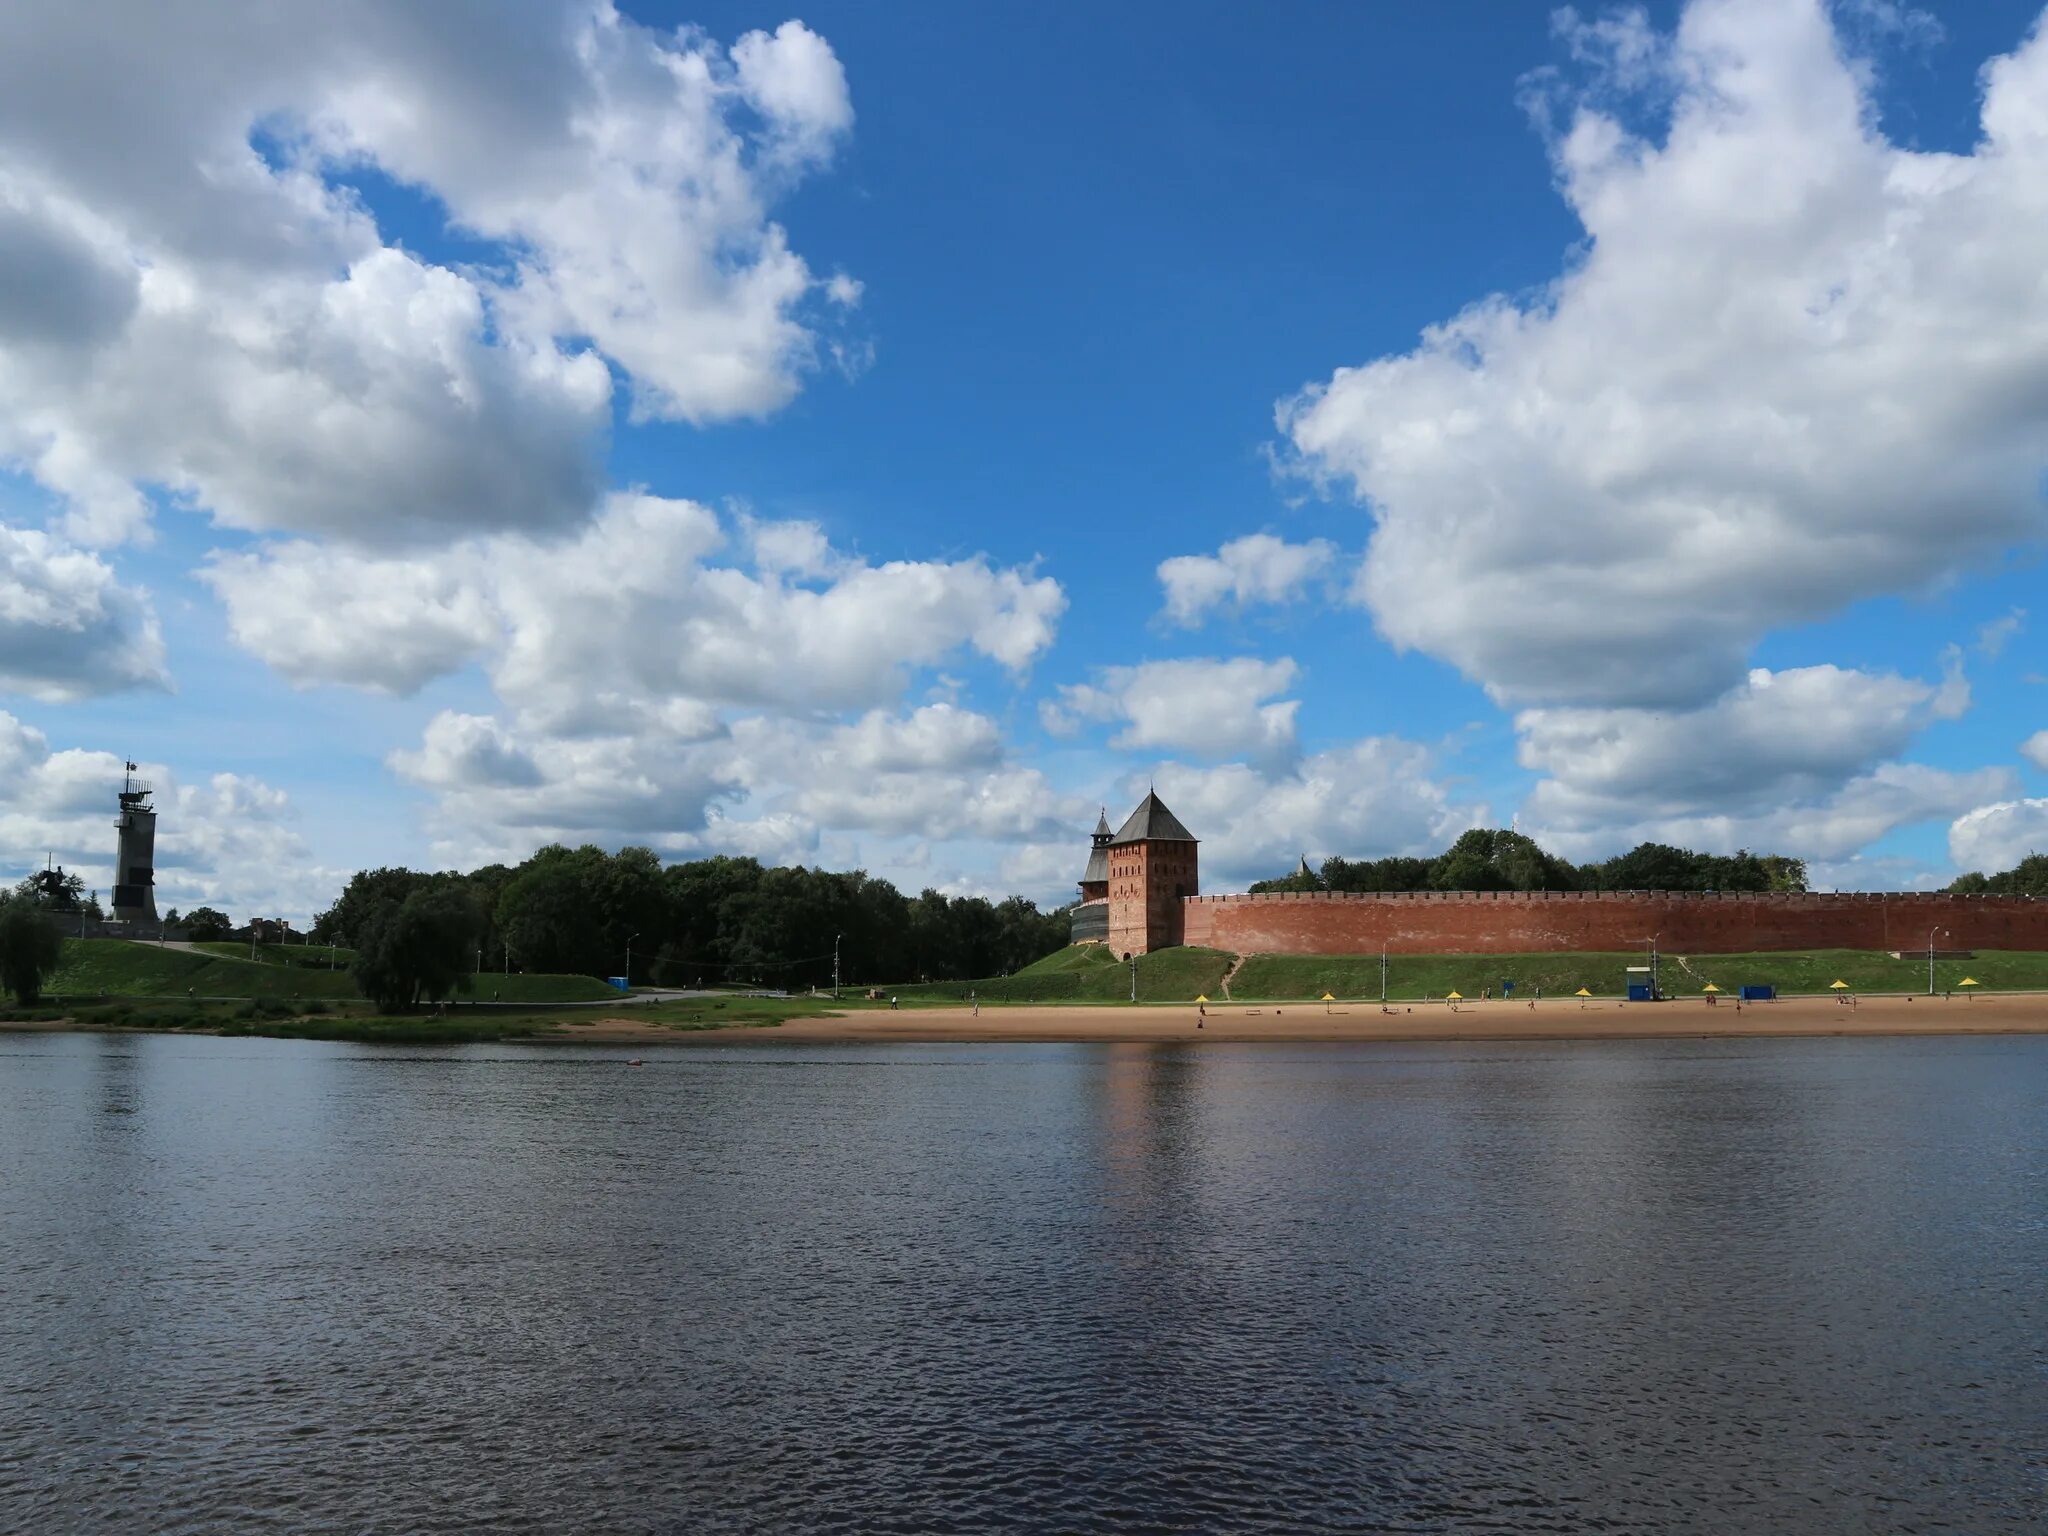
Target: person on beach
x: 1201, y: 1015
x: 975, y: 999
x: 892, y: 1002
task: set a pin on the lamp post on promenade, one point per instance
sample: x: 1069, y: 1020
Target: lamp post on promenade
x: 835, y: 963
x: 1930, y: 958
x: 1383, y: 972
x: 1134, y: 978
x: 629, y: 960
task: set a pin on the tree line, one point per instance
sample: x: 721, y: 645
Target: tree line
x: 2029, y: 877
x: 708, y: 921
x: 1494, y: 859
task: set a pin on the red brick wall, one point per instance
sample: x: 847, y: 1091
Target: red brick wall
x: 1509, y: 922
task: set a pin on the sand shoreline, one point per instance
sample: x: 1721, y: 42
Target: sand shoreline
x: 1552, y: 1019
x: 1559, y: 1019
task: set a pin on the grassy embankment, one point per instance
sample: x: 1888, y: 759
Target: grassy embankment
x: 123, y: 968
x: 312, y: 957
x: 1088, y: 973
x: 1418, y: 976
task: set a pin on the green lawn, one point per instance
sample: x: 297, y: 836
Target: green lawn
x: 308, y: 956
x: 1088, y: 973
x: 124, y: 968
x: 1412, y: 976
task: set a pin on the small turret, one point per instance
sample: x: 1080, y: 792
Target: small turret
x: 1095, y: 878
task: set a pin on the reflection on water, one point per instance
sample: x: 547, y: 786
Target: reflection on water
x: 1687, y: 1286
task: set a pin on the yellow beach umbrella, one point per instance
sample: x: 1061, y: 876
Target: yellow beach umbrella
x: 1454, y: 997
x: 1201, y: 997
x: 1838, y: 985
x: 1582, y: 992
x: 1968, y: 981
x: 1329, y: 997
x: 1710, y: 987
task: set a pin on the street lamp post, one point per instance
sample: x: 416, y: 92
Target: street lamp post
x: 1930, y: 958
x: 835, y: 964
x: 629, y: 960
x: 1133, y: 959
x: 1383, y: 973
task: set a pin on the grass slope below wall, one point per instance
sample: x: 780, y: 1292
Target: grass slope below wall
x: 1416, y: 976
x: 1088, y: 973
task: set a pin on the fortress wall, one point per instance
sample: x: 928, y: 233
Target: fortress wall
x: 1510, y: 922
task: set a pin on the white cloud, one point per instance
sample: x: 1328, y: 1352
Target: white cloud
x: 68, y: 628
x: 1993, y: 637
x: 1373, y: 797
x: 1795, y: 366
x: 1208, y: 707
x: 227, y: 842
x: 465, y: 752
x: 937, y: 773
x: 1789, y: 762
x: 1995, y: 837
x: 320, y: 615
x: 197, y: 300
x: 628, y: 622
x: 1780, y: 736
x: 1258, y: 568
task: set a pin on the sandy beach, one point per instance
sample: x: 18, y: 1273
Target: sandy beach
x: 1561, y: 1019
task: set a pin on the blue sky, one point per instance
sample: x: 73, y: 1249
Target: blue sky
x: 931, y: 337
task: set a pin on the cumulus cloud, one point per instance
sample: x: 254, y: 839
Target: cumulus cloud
x: 1377, y: 796
x: 228, y: 841
x: 196, y: 297
x: 1997, y: 836
x: 629, y: 620
x: 2035, y: 750
x: 320, y: 615
x: 68, y: 628
x: 1792, y: 762
x: 935, y: 774
x: 1780, y: 736
x: 1213, y: 708
x: 1794, y: 366
x: 1258, y: 568
x: 1827, y: 827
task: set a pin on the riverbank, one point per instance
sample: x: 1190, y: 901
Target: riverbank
x: 1559, y: 1019
x: 1550, y: 1019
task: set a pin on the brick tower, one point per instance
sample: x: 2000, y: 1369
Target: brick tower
x: 1152, y: 868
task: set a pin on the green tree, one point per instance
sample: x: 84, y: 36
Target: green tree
x: 418, y: 950
x: 2029, y: 877
x: 30, y: 948
x: 1494, y: 859
x: 203, y: 925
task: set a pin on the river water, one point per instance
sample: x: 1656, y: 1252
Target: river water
x: 253, y: 1285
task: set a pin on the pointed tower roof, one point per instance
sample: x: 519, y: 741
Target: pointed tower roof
x: 1152, y: 822
x: 1305, y: 870
x: 1097, y: 872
